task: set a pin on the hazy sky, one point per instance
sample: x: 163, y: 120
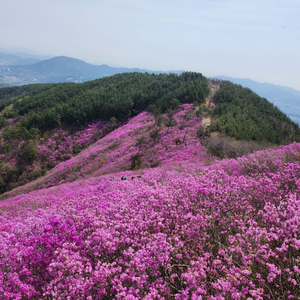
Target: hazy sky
x: 257, y: 39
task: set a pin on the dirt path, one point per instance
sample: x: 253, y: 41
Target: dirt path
x: 208, y: 100
x: 206, y: 122
x: 213, y: 88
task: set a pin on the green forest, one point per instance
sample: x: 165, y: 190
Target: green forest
x: 239, y: 112
x: 242, y: 114
x: 120, y: 96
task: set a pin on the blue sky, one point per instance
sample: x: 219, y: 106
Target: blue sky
x: 257, y: 39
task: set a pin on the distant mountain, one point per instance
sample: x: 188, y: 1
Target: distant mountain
x: 11, y: 59
x: 4, y: 85
x: 285, y: 98
x: 60, y: 69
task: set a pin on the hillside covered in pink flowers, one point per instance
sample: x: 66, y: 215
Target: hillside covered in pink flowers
x: 164, y: 203
x: 44, y: 125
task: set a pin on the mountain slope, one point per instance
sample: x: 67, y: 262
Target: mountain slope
x: 228, y: 232
x: 32, y: 124
x: 287, y: 99
x: 242, y: 114
x: 53, y: 123
x: 131, y: 147
x: 134, y: 208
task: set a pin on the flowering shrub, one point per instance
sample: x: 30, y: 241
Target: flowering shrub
x: 34, y: 157
x: 230, y: 231
x: 114, y: 152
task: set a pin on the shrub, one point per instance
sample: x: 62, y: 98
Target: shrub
x: 2, y: 185
x: 141, y: 142
x: 226, y: 147
x: 170, y: 122
x: 155, y: 163
x: 28, y: 154
x: 136, y: 161
x: 154, y: 134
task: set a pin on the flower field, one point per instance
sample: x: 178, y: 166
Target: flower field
x: 230, y: 230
